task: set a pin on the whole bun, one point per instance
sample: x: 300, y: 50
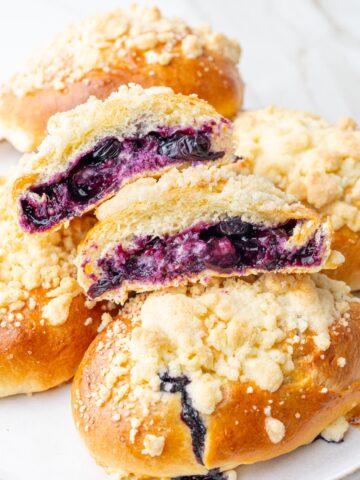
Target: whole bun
x: 97, y: 55
x: 199, y: 380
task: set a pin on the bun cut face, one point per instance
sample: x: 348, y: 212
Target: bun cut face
x: 198, y: 380
x: 195, y: 224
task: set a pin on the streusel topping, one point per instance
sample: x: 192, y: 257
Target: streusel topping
x: 304, y: 155
x: 230, y: 331
x: 100, y: 41
x: 34, y: 262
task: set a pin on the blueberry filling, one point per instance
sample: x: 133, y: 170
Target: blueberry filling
x: 189, y: 415
x: 102, y: 171
x: 228, y: 246
x: 213, y: 474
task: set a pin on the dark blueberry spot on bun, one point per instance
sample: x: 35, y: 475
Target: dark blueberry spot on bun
x: 101, y: 171
x: 319, y: 437
x: 213, y: 474
x: 228, y: 246
x: 189, y: 415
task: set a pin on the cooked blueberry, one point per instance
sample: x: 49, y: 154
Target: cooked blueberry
x: 234, y: 226
x: 36, y: 219
x: 99, y: 288
x: 188, y: 147
x: 189, y: 415
x: 109, y: 149
x: 85, y: 184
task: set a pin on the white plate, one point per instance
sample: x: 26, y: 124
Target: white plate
x: 38, y: 439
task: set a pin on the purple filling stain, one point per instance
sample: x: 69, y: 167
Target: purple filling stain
x: 189, y: 415
x: 319, y: 437
x: 213, y: 474
x: 103, y: 170
x: 228, y: 246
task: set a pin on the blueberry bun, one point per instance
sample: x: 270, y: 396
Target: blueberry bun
x: 46, y: 323
x: 314, y: 160
x: 97, y: 55
x: 195, y: 224
x: 93, y: 150
x: 197, y: 380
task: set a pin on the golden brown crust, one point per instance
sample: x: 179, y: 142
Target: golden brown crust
x: 35, y: 355
x: 348, y: 243
x: 99, y: 430
x: 247, y: 441
x: 23, y: 119
x: 312, y: 396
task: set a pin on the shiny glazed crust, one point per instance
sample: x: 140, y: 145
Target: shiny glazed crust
x: 35, y: 355
x: 37, y: 93
x: 312, y: 396
x: 181, y: 199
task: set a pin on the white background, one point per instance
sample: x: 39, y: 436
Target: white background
x: 296, y: 53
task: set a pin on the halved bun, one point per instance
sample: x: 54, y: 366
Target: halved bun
x: 195, y: 224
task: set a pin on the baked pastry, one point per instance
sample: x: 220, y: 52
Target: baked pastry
x: 46, y: 323
x: 317, y: 162
x: 96, y: 148
x: 194, y: 224
x: 200, y: 379
x: 94, y: 57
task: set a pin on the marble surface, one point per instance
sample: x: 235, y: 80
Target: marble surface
x: 302, y: 53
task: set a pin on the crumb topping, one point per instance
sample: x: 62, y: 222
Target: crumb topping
x: 341, y: 362
x: 105, y: 40
x: 275, y: 429
x: 335, y: 432
x: 153, y: 445
x: 230, y: 331
x: 304, y: 155
x: 42, y: 262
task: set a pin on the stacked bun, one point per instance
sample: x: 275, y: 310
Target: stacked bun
x: 317, y: 162
x: 219, y: 341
